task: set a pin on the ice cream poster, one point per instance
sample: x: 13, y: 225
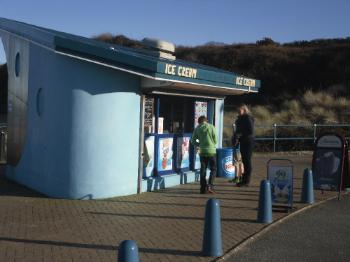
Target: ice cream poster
x: 148, y: 159
x: 183, y: 152
x: 165, y: 154
x: 281, y: 180
x: 200, y: 109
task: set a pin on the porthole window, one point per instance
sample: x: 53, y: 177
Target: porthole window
x: 17, y: 65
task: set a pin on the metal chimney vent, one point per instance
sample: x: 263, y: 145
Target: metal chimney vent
x: 159, y: 48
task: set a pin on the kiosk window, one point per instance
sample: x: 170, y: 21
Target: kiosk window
x: 177, y: 114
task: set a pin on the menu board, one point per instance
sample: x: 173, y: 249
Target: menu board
x: 149, y: 105
x: 200, y: 109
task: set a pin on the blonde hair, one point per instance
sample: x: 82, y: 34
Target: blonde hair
x: 245, y: 108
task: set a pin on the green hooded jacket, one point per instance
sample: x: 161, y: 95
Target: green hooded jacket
x: 207, y: 139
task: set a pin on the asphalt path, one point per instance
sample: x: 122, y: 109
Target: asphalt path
x: 321, y: 233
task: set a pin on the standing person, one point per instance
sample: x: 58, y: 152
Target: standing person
x: 205, y: 137
x: 244, y: 135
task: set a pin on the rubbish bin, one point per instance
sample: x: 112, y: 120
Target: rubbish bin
x: 225, y: 167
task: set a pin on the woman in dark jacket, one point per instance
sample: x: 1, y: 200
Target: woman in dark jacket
x: 244, y: 135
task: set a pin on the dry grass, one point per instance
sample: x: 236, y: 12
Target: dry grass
x: 310, y: 108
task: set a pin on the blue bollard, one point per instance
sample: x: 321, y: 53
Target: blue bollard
x: 128, y: 251
x: 265, y: 203
x: 212, y: 242
x: 307, y: 192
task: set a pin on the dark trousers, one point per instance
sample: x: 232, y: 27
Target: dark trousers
x: 205, y: 161
x: 247, y: 146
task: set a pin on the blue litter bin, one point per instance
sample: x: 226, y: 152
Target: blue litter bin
x: 225, y: 167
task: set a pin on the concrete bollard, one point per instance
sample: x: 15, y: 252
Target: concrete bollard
x: 307, y: 192
x: 212, y: 242
x: 265, y: 203
x: 128, y: 251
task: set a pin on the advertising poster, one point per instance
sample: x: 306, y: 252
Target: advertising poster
x: 148, y: 158
x: 281, y: 179
x: 328, y: 162
x: 200, y: 109
x: 183, y: 152
x: 165, y: 154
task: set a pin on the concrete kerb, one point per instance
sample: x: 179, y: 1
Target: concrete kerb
x: 268, y: 227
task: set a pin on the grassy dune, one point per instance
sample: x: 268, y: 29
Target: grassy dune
x: 307, y: 109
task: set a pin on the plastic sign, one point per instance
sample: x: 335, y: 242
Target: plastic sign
x: 182, y: 71
x: 183, y: 152
x: 281, y: 180
x: 328, y: 162
x: 165, y: 154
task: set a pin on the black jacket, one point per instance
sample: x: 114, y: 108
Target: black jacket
x: 244, y: 129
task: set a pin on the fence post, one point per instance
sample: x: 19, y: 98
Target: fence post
x: 315, y: 126
x: 274, y: 136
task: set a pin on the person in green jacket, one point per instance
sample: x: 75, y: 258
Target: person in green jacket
x: 205, y: 137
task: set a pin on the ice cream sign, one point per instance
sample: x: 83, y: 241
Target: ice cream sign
x: 178, y: 70
x: 243, y: 81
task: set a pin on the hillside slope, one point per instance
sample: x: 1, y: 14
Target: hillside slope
x: 289, y: 73
x: 285, y: 69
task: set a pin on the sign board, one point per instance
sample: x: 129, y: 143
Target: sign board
x: 280, y: 175
x: 183, y: 152
x: 328, y: 162
x: 149, y: 105
x: 165, y: 154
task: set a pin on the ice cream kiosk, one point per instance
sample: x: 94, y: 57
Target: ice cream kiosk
x: 89, y: 120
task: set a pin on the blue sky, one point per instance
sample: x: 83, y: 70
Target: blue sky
x: 188, y: 22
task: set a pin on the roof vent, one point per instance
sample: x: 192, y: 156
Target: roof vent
x: 160, y: 48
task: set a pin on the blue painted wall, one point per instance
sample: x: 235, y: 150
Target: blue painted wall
x: 83, y: 129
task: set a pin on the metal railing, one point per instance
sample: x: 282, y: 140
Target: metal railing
x: 291, y: 133
x: 278, y: 133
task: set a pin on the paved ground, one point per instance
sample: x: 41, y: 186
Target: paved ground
x: 320, y: 234
x: 167, y: 225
